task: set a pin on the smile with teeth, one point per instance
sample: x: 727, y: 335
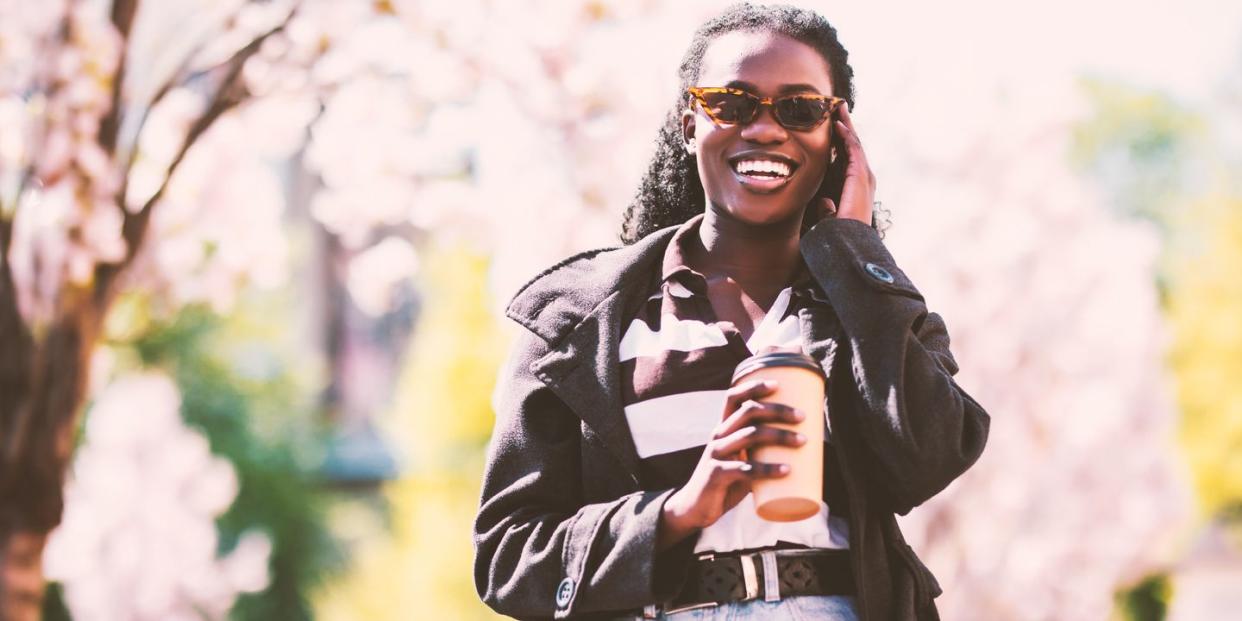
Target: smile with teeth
x: 767, y: 169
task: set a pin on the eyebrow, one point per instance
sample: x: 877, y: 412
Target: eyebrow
x: 785, y: 88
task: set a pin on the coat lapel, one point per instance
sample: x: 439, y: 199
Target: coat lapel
x: 584, y: 372
x: 578, y: 307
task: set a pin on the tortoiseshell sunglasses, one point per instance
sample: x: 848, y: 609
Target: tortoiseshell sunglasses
x: 732, y: 106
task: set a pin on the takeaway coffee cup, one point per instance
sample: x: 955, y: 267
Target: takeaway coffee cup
x: 800, y: 384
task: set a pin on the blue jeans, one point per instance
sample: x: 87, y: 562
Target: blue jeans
x: 797, y: 608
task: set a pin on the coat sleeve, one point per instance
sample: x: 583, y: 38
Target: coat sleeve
x: 540, y: 550
x: 921, y: 429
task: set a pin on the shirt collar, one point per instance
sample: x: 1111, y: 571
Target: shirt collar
x: 676, y: 269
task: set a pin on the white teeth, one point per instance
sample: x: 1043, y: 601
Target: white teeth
x: 780, y: 169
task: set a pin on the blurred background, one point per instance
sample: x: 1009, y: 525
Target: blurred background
x: 255, y: 256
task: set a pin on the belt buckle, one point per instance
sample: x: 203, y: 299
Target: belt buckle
x: 750, y: 576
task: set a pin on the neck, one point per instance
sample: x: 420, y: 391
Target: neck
x: 745, y: 252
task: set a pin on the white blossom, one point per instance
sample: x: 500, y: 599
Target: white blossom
x: 138, y: 539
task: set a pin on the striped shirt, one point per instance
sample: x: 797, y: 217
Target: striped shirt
x: 677, y: 362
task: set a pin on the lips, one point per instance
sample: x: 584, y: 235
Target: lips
x: 762, y: 171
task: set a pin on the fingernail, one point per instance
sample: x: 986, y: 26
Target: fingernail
x: 799, y: 415
x: 800, y: 438
x: 769, y: 384
x: 783, y: 468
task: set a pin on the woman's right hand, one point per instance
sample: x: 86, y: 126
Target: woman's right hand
x: 723, y: 476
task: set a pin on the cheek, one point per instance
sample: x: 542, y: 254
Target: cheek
x: 818, y: 146
x: 818, y: 153
x: 711, y: 153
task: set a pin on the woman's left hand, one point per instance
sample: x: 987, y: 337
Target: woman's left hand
x: 858, y: 193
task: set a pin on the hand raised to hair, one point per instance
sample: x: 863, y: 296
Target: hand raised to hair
x: 858, y: 193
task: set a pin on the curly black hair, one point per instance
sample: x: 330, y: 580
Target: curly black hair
x: 670, y: 192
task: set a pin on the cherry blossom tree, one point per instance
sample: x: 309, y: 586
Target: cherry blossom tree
x: 81, y: 177
x: 1053, y: 309
x: 138, y: 539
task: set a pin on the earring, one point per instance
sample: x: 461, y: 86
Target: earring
x: 691, y: 147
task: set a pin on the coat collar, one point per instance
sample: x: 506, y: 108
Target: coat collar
x: 578, y: 306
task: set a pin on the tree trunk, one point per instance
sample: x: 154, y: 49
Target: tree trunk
x: 42, y: 386
x: 21, y: 575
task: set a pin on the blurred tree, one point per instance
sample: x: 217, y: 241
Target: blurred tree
x: 243, y: 394
x: 132, y: 146
x: 1163, y: 161
x: 239, y: 384
x: 1062, y: 347
x: 71, y: 223
x: 1168, y: 162
x: 1144, y: 147
x: 139, y: 539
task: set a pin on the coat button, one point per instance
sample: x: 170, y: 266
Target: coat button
x: 879, y: 273
x: 564, y: 592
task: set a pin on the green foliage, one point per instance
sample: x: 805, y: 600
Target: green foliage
x: 54, y: 604
x: 233, y: 385
x: 1143, y: 145
x: 1159, y: 161
x: 1146, y: 601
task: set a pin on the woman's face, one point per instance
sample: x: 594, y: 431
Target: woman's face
x: 768, y: 65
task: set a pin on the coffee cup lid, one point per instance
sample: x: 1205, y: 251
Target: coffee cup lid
x: 776, y: 359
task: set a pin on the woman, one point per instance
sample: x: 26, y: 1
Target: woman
x: 616, y: 484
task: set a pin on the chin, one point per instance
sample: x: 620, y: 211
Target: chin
x: 764, y: 210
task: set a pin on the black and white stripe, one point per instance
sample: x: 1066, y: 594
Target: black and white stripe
x: 676, y: 365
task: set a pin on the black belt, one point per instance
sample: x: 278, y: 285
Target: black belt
x: 740, y: 576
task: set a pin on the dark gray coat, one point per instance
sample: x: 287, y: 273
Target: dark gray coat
x: 565, y: 530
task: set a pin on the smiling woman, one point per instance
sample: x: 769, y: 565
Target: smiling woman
x: 619, y: 477
x: 757, y: 168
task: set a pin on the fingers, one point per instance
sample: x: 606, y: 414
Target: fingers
x: 858, y: 158
x: 845, y: 125
x: 830, y: 208
x: 845, y: 116
x: 761, y: 470
x: 744, y: 392
x: 753, y: 412
x: 754, y: 436
x: 729, y: 472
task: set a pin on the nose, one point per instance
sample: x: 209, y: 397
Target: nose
x: 764, y: 129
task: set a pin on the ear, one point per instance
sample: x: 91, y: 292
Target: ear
x: 687, y: 131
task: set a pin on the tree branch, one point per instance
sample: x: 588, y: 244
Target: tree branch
x: 14, y: 363
x: 180, y: 75
x: 49, y: 88
x: 8, y: 289
x: 231, y: 92
x: 123, y: 12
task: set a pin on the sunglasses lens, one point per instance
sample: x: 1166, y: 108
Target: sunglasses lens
x: 801, y: 112
x: 730, y: 107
